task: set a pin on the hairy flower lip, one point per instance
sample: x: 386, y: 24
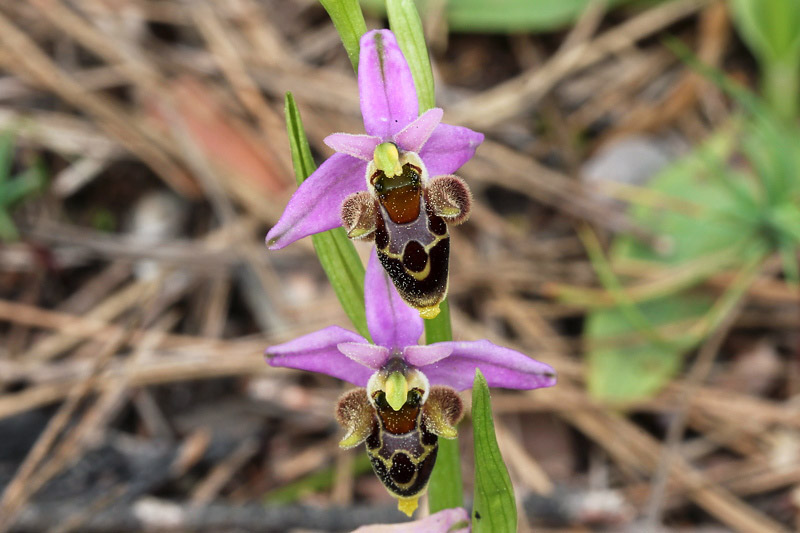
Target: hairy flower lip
x: 389, y: 108
x: 396, y: 328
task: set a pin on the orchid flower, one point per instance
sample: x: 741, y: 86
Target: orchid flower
x: 407, y: 396
x: 394, y: 184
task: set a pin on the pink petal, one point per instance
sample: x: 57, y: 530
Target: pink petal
x: 385, y: 86
x: 365, y: 354
x: 360, y: 146
x: 415, y: 135
x: 391, y: 322
x: 316, y: 204
x: 318, y: 352
x: 503, y: 367
x: 440, y: 522
x: 448, y: 148
x: 426, y: 355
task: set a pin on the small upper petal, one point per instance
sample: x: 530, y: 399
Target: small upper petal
x: 414, y: 136
x: 359, y: 146
x: 503, y: 367
x: 365, y: 354
x: 391, y: 322
x: 316, y: 205
x: 318, y: 352
x: 448, y: 148
x: 426, y: 354
x: 385, y: 86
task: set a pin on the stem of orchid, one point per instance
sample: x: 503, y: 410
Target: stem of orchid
x: 445, y: 490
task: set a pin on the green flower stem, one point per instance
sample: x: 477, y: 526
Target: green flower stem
x: 336, y: 253
x: 781, y: 83
x: 446, y: 490
x: 348, y: 19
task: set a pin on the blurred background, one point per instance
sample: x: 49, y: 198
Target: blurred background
x: 636, y: 226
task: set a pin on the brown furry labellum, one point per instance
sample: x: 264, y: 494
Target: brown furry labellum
x: 402, y: 444
x: 407, y: 215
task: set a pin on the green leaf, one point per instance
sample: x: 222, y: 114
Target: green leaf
x: 505, y: 16
x: 348, y: 19
x: 6, y: 155
x: 407, y: 27
x: 8, y: 231
x: 785, y: 218
x: 495, y: 510
x: 336, y: 253
x: 770, y: 28
x: 625, y: 361
x: 626, y: 365
x: 29, y: 182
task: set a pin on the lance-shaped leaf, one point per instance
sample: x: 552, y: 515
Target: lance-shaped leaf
x: 336, y: 253
x: 348, y: 19
x: 494, y: 507
x: 407, y: 27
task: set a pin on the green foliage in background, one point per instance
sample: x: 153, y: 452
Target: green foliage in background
x: 15, y: 189
x: 494, y: 509
x: 503, y: 16
x: 771, y: 29
x: 723, y: 209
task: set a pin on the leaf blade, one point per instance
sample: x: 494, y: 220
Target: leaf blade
x: 495, y: 509
x: 407, y: 27
x: 335, y: 252
x: 349, y: 21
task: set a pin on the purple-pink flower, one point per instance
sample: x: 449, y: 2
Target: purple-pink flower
x: 395, y: 329
x: 442, y: 522
x: 390, y: 111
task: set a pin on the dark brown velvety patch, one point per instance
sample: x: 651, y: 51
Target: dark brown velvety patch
x: 415, y: 257
x: 436, y: 224
x: 402, y: 204
x: 381, y: 235
x: 403, y: 469
x: 399, y: 422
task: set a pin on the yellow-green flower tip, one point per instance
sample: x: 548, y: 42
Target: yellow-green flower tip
x: 408, y: 505
x: 387, y: 159
x: 429, y: 312
x: 350, y: 440
x: 396, y: 390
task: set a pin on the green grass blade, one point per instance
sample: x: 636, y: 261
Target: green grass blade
x: 348, y: 19
x: 407, y: 27
x: 6, y: 155
x: 335, y: 251
x: 8, y: 231
x: 25, y: 184
x: 495, y: 510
